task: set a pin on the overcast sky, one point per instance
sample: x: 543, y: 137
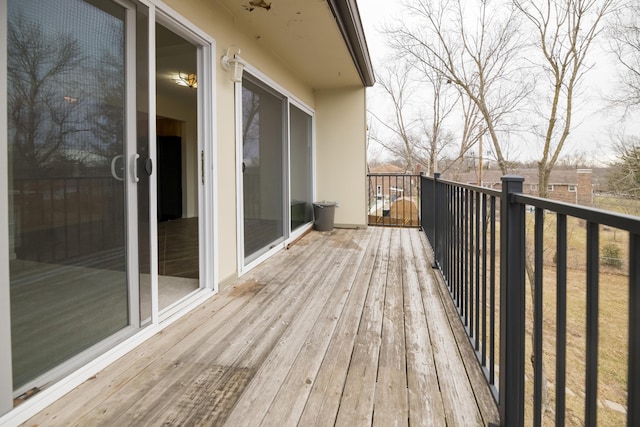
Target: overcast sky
x: 593, y: 123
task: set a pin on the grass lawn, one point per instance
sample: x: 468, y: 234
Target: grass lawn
x: 613, y: 325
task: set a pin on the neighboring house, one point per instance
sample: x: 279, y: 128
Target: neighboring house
x: 565, y: 185
x: 142, y: 172
x: 379, y: 187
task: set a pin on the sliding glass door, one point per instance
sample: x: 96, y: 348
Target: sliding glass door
x: 276, y: 170
x: 301, y: 167
x: 263, y: 133
x: 71, y: 194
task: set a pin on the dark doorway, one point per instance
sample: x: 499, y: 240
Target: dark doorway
x: 169, y: 178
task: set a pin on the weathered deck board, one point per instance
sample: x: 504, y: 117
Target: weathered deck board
x: 176, y: 396
x: 327, y: 392
x: 345, y: 328
x: 391, y: 407
x: 426, y: 407
x: 453, y: 381
x: 292, y: 396
x: 357, y: 400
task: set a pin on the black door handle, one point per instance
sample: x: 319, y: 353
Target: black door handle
x: 148, y: 166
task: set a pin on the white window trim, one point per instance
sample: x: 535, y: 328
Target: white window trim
x: 6, y: 376
x: 573, y: 188
x: 550, y: 187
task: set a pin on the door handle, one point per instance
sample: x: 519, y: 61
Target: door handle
x: 113, y: 167
x: 134, y: 168
x: 148, y: 166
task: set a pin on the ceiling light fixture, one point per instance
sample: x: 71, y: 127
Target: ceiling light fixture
x: 187, y: 80
x: 234, y: 64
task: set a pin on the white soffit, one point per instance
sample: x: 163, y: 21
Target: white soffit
x: 303, y: 34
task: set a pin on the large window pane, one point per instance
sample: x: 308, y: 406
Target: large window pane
x: 300, y: 167
x: 66, y: 141
x: 263, y: 177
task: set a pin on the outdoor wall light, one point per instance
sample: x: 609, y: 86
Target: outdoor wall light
x: 234, y: 64
x: 188, y: 80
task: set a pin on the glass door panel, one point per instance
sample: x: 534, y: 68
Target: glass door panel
x: 300, y: 167
x: 67, y: 182
x: 262, y: 166
x: 178, y: 184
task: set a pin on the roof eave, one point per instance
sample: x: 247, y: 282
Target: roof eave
x: 348, y: 18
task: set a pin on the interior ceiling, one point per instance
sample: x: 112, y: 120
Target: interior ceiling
x: 174, y: 55
x: 302, y: 34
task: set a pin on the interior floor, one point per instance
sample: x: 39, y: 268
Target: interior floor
x: 178, y: 248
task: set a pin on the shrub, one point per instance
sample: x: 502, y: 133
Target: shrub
x: 611, y: 255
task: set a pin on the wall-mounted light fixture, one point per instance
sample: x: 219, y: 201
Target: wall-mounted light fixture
x: 234, y: 64
x: 188, y: 80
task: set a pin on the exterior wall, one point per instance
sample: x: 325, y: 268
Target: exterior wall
x: 561, y: 193
x: 341, y: 153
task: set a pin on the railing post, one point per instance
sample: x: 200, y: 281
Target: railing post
x: 633, y: 372
x: 434, y: 205
x: 512, y: 308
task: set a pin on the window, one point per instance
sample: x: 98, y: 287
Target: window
x: 573, y: 188
x: 550, y: 187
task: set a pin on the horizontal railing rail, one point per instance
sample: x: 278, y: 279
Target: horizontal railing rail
x: 491, y: 248
x: 394, y: 200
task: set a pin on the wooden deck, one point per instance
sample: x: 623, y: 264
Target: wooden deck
x: 345, y: 328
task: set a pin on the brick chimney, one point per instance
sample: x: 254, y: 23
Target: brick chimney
x: 585, y: 187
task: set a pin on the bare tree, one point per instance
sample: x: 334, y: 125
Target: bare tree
x: 418, y: 137
x: 398, y: 85
x: 565, y: 32
x: 41, y: 115
x: 438, y: 138
x: 474, y: 50
x: 624, y: 178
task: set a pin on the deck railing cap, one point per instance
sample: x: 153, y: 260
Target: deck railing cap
x: 512, y: 178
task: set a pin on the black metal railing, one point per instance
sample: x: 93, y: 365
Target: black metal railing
x: 61, y: 219
x: 492, y: 249
x: 394, y: 200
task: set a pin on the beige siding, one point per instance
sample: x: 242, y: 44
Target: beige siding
x: 340, y: 153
